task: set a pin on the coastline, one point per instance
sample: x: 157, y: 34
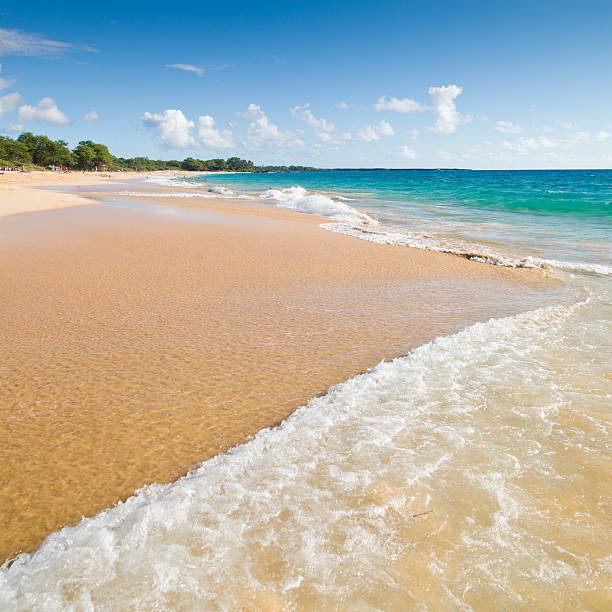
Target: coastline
x: 20, y: 193
x: 164, y: 346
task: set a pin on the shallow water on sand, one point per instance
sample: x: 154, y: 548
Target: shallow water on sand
x: 128, y: 357
x: 473, y: 473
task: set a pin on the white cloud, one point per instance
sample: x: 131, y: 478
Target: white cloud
x: 262, y: 130
x: 252, y: 112
x: 188, y: 67
x: 530, y: 145
x: 414, y: 135
x: 375, y: 132
x: 443, y: 103
x: 91, y: 116
x: 322, y: 127
x: 399, y: 105
x: 447, y: 156
x: 567, y: 125
x: 408, y: 153
x: 173, y: 128
x: 5, y: 83
x: 544, y: 144
x: 211, y: 137
x: 16, y: 42
x: 9, y: 102
x: 586, y: 137
x: 507, y: 127
x: 45, y: 110
x: 341, y: 105
x: 14, y: 128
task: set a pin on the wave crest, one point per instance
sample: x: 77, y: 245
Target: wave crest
x: 297, y: 198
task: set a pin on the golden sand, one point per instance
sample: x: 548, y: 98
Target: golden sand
x: 134, y: 345
x: 17, y: 193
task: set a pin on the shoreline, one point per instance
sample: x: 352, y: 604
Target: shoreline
x: 18, y: 190
x: 163, y: 347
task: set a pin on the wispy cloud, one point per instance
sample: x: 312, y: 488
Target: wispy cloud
x: 9, y: 102
x: 507, y: 127
x: 45, y: 110
x: 199, y: 70
x: 188, y: 68
x: 530, y: 145
x: 375, y: 132
x: 408, y: 153
x: 91, y: 116
x: 399, y: 105
x: 13, y: 128
x: 341, y: 105
x: 16, y: 42
x: 542, y: 143
x: 322, y: 127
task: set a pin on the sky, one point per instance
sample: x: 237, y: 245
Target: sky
x: 329, y: 84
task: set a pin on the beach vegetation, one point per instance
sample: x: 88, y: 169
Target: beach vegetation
x: 89, y: 155
x: 45, y: 152
x: 37, y: 151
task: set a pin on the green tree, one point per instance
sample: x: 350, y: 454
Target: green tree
x: 13, y: 152
x: 44, y: 151
x: 90, y: 155
x: 84, y: 156
x: 189, y: 163
x: 239, y: 165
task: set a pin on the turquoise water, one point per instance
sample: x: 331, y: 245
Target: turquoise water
x: 552, y: 215
x: 585, y: 193
x: 471, y: 474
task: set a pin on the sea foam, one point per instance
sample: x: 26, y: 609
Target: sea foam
x: 297, y: 198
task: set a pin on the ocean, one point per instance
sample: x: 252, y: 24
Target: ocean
x: 474, y: 472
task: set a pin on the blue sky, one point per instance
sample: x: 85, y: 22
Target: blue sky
x: 351, y: 84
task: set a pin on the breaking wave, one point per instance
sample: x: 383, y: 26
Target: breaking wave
x: 297, y: 198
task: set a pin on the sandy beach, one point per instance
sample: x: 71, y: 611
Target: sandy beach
x: 141, y: 337
x: 18, y: 195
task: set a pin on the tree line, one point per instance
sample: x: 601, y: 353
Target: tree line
x: 31, y: 150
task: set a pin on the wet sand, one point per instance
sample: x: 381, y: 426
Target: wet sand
x: 139, y: 339
x: 18, y: 193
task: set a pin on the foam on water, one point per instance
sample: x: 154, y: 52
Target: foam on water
x: 177, y: 181
x: 297, y: 198
x: 167, y: 194
x: 388, y: 235
x: 171, y: 181
x: 463, y: 474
